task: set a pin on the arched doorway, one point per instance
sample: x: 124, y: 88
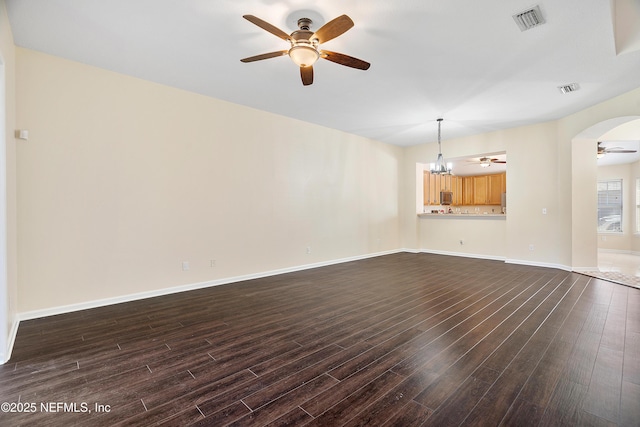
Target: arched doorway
x: 584, y: 182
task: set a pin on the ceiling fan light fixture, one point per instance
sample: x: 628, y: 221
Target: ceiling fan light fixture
x: 305, y: 45
x: 304, y: 54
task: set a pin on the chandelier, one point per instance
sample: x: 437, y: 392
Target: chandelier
x: 440, y: 167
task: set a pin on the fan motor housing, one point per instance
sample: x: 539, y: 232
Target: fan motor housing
x: 304, y: 23
x: 301, y: 35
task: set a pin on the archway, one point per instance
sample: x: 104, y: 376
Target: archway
x: 584, y: 201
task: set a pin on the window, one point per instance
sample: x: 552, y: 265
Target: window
x: 610, y: 206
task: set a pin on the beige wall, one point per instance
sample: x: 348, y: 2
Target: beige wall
x: 483, y: 238
x: 525, y: 225
x: 549, y: 165
x: 8, y: 299
x: 122, y: 180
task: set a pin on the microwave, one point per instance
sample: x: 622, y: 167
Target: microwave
x: 446, y: 197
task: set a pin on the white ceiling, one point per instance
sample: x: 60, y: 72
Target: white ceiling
x: 464, y: 60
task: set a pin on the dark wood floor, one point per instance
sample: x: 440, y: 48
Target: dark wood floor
x: 400, y: 340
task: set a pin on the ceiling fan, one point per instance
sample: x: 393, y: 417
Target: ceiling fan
x: 485, y: 162
x: 604, y: 150
x: 305, y: 50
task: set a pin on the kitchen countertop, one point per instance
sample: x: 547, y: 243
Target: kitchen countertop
x: 463, y: 215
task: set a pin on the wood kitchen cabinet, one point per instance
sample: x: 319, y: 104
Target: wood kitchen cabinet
x: 445, y: 182
x: 467, y: 190
x: 496, y: 186
x: 456, y: 187
x: 433, y: 184
x: 480, y: 190
x: 431, y: 188
x: 425, y: 188
x: 488, y: 189
x: 435, y: 189
x: 483, y: 189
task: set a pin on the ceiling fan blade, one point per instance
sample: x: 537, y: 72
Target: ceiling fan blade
x: 498, y: 161
x: 333, y: 28
x: 619, y: 151
x: 307, y: 75
x: 342, y: 59
x: 265, y: 56
x: 266, y: 26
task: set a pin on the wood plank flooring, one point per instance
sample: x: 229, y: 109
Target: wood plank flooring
x: 399, y: 340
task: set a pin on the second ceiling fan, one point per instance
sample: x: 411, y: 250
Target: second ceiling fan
x: 487, y: 161
x: 602, y: 150
x: 305, y: 45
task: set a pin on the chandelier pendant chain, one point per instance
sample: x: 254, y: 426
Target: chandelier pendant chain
x: 439, y: 143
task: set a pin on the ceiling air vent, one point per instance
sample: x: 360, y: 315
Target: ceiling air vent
x: 569, y: 88
x: 529, y: 18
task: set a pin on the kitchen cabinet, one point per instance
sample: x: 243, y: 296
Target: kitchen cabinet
x: 488, y: 189
x: 496, y: 186
x: 456, y: 187
x: 445, y: 183
x: 467, y: 190
x: 431, y: 187
x: 425, y: 188
x: 433, y: 184
x: 435, y: 189
x: 480, y: 190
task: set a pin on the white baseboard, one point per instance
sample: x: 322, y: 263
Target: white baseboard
x: 12, y: 339
x: 35, y: 314
x: 539, y: 264
x: 463, y: 254
x: 410, y: 251
x: 615, y: 251
x: 619, y: 251
x: 52, y: 311
x: 585, y: 269
x: 497, y: 258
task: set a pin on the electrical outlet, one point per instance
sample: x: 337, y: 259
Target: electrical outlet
x: 308, y: 249
x: 544, y: 211
x: 461, y: 242
x: 531, y: 247
x: 212, y: 263
x: 185, y: 265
